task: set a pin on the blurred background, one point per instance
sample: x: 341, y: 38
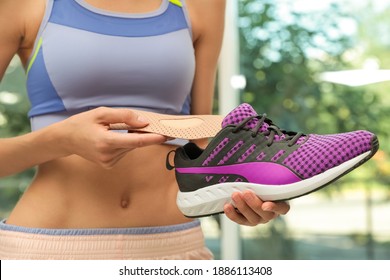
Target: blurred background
x: 312, y: 66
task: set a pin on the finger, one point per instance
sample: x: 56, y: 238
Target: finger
x: 136, y: 140
x: 119, y: 115
x: 280, y: 207
x: 245, y: 210
x: 233, y: 215
x: 251, y: 207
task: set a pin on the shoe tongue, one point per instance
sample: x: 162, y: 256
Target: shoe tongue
x: 239, y: 114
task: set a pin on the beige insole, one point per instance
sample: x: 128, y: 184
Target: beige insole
x: 177, y: 126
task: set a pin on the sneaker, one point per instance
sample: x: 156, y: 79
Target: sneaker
x: 252, y: 153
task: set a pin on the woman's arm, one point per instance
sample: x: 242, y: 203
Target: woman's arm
x: 11, y: 32
x: 208, y: 28
x: 208, y: 19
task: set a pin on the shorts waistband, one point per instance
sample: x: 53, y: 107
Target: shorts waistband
x: 100, y: 231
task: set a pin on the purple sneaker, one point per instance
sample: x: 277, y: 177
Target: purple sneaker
x: 251, y: 153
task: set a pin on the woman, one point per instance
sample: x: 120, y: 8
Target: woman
x: 93, y: 195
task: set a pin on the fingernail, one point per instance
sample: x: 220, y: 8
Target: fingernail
x: 141, y: 119
x: 226, y: 208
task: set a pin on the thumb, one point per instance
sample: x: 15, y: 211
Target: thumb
x: 120, y: 115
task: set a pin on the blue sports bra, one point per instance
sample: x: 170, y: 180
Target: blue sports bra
x: 85, y: 57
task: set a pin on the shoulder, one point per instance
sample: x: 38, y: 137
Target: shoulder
x: 25, y: 16
x: 21, y: 13
x: 207, y: 17
x: 213, y: 10
x: 10, y: 9
x: 18, y: 10
x: 207, y: 4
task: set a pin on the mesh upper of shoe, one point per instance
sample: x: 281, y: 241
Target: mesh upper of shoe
x: 322, y: 152
x: 317, y: 153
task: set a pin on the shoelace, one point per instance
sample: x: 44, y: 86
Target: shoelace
x: 271, y: 132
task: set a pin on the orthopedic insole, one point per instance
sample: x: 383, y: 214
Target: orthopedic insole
x: 176, y: 126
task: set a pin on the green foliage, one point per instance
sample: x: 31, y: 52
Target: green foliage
x: 13, y: 101
x: 282, y: 50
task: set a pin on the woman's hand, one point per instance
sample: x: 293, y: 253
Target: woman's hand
x: 88, y: 135
x: 250, y: 210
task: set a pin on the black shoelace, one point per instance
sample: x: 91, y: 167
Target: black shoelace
x: 272, y: 130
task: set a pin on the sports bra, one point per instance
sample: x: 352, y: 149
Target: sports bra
x: 85, y: 57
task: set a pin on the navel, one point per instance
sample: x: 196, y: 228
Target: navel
x: 125, y: 201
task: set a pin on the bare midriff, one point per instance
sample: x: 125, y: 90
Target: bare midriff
x: 72, y: 192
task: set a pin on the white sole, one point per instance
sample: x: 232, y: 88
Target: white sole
x: 211, y: 200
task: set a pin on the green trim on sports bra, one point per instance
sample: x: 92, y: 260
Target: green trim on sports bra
x: 176, y: 2
x: 35, y: 54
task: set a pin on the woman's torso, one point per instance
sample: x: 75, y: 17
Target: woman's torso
x: 72, y: 192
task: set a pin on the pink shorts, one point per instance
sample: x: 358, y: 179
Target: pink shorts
x: 180, y: 242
